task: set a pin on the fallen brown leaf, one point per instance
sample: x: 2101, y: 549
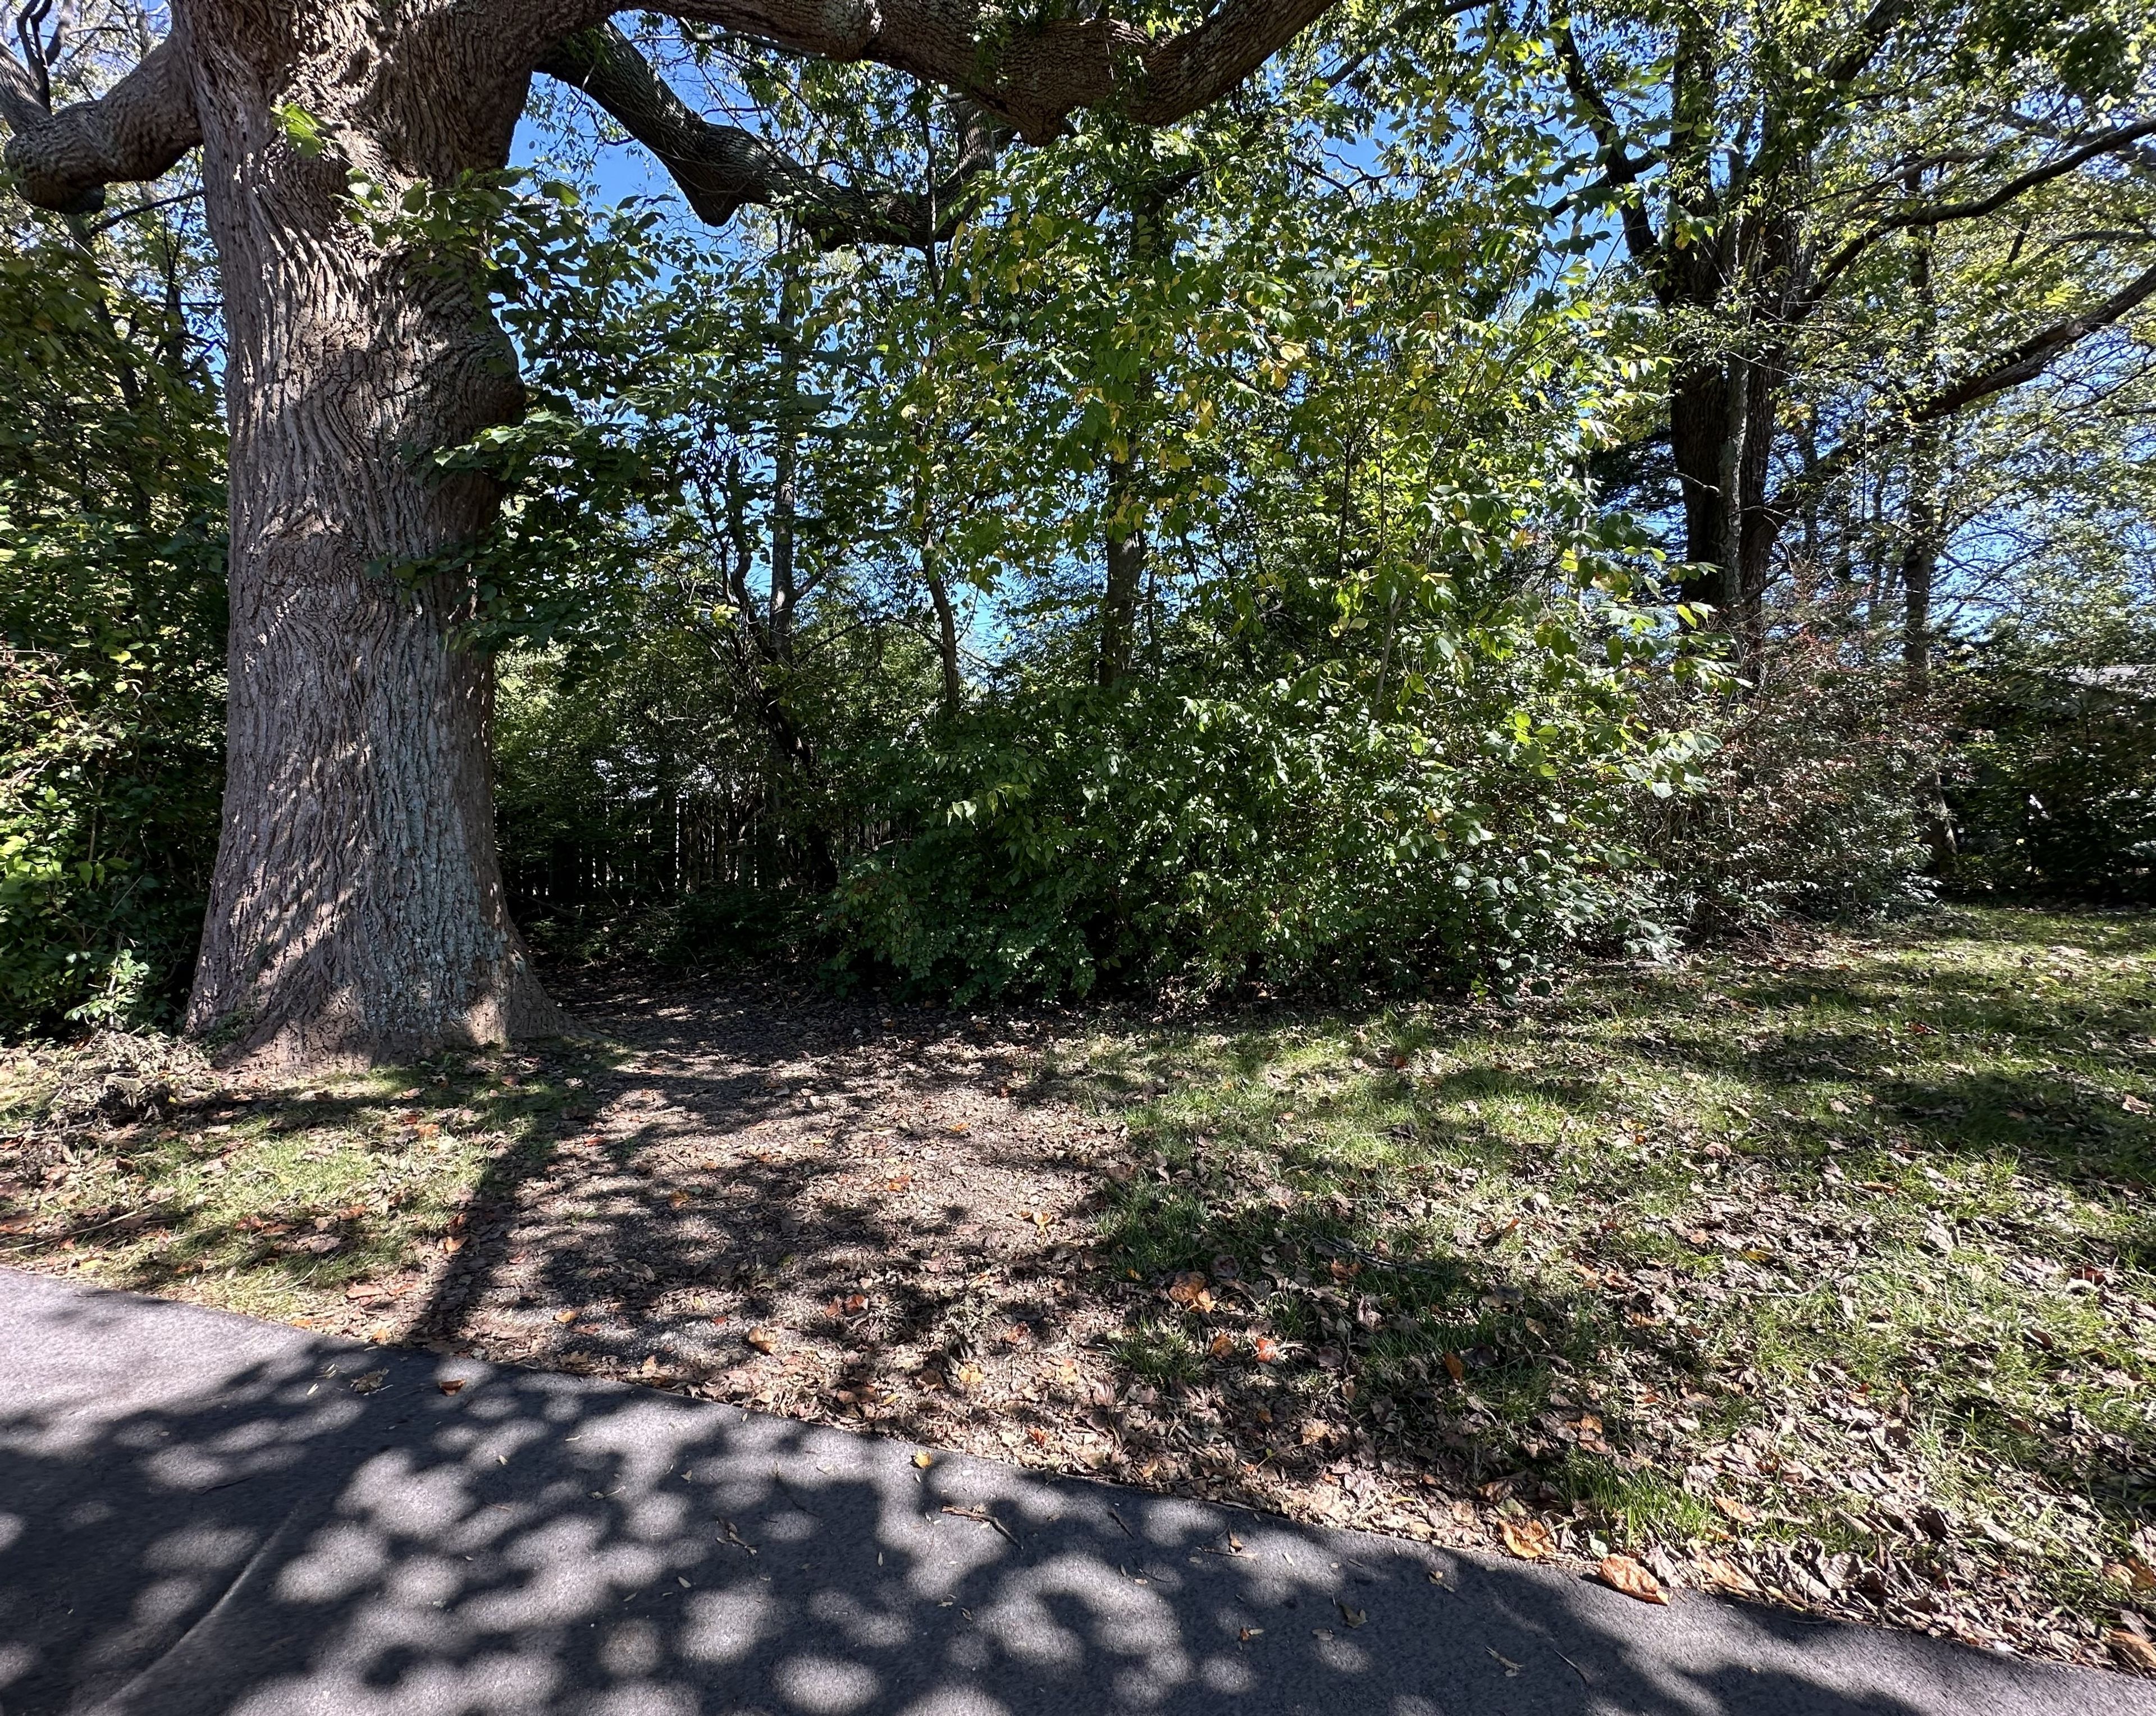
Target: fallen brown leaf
x: 1728, y: 1575
x: 1623, y: 1573
x: 1453, y: 1369
x: 1529, y: 1539
x: 2131, y: 1650
x: 451, y: 1385
x: 764, y: 1340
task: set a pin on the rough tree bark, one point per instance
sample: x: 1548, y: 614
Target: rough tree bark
x: 358, y: 912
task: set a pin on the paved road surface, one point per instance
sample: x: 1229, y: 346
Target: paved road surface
x: 200, y: 1513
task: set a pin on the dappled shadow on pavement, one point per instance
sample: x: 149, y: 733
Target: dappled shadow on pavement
x: 201, y: 1513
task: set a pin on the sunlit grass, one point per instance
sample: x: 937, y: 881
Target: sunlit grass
x: 274, y: 1205
x: 1837, y: 1235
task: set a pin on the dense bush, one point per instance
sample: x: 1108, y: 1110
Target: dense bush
x: 2054, y: 786
x: 1205, y: 829
x: 111, y: 645
x: 1821, y: 796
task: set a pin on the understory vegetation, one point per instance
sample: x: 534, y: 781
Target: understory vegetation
x: 1818, y: 1272
x: 1268, y: 555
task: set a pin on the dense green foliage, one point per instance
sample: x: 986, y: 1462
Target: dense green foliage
x: 111, y: 633
x: 2054, y: 787
x: 1245, y: 556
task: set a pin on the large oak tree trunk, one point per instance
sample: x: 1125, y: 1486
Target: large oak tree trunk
x: 356, y: 909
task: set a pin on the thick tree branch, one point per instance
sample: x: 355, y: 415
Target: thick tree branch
x: 2120, y: 140
x: 1872, y: 34
x: 1797, y: 139
x: 1035, y: 77
x: 2027, y: 360
x: 1193, y: 70
x: 136, y: 130
x: 1621, y: 172
x: 2116, y: 141
x: 2022, y: 362
x: 722, y: 167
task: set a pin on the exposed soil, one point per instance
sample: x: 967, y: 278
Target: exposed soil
x: 809, y: 1206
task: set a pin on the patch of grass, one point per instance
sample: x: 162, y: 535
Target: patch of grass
x: 264, y: 1201
x: 1160, y: 1352
x: 1842, y: 1252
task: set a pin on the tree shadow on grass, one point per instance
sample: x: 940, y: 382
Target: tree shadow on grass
x: 202, y: 1514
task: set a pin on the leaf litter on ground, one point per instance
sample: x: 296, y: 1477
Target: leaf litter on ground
x: 1809, y: 1273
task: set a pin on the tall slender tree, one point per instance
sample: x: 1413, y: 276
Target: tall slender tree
x: 1763, y: 164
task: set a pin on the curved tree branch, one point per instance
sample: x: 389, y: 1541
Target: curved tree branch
x: 136, y: 130
x: 2020, y: 363
x: 1620, y: 171
x: 2121, y: 141
x: 1036, y: 77
x: 722, y: 167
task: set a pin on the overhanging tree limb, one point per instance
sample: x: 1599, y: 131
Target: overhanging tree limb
x: 2119, y: 141
x: 2022, y: 362
x: 720, y: 168
x: 138, y: 128
x: 1034, y: 77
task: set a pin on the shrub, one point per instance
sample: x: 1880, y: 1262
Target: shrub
x: 2054, y: 793
x: 1820, y: 792
x: 1193, y: 833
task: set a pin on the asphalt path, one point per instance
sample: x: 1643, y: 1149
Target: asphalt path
x: 201, y: 1513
